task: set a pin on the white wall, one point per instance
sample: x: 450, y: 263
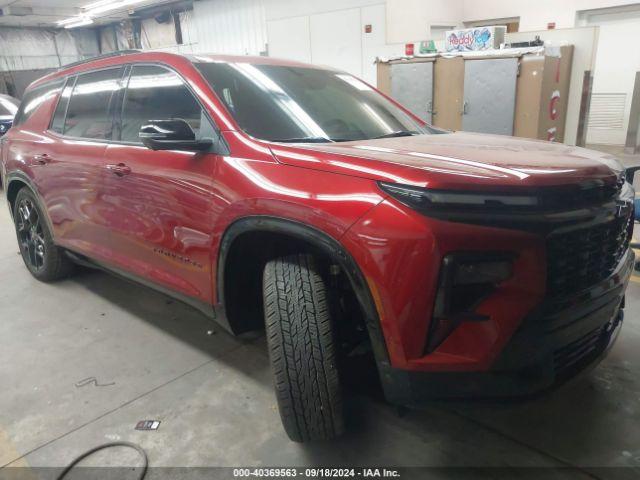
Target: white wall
x: 615, y: 75
x: 235, y: 27
x: 534, y: 15
x: 330, y: 33
x: 411, y: 20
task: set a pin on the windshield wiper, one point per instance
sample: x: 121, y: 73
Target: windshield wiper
x: 399, y: 133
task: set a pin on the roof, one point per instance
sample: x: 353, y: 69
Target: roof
x: 175, y: 59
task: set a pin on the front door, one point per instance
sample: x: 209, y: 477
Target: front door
x: 159, y: 204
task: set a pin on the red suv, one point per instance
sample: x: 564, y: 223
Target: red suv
x: 268, y: 191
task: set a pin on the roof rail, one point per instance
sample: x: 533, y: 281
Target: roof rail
x: 117, y: 53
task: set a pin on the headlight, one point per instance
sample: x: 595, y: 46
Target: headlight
x: 422, y: 198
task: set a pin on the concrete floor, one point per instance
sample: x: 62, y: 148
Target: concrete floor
x: 213, y: 393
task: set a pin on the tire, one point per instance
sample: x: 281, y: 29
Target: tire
x: 42, y: 257
x: 301, y: 348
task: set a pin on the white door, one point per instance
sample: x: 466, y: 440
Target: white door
x: 617, y: 61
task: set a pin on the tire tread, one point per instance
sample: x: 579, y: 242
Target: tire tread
x: 302, y: 350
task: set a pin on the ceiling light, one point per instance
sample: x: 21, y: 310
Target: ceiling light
x: 67, y: 21
x: 107, y: 5
x: 80, y: 22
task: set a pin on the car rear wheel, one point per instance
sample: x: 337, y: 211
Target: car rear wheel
x: 302, y: 349
x: 44, y: 260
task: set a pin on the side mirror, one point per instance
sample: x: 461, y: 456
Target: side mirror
x: 174, y: 134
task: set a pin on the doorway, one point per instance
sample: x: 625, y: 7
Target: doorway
x: 617, y: 61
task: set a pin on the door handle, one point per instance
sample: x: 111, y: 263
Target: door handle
x: 119, y: 169
x: 42, y: 159
x: 465, y: 107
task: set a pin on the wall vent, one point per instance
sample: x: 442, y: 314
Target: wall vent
x: 607, y: 110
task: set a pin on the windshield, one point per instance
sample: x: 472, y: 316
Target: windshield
x: 298, y: 104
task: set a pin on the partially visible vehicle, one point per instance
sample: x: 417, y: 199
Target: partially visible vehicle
x: 8, y: 109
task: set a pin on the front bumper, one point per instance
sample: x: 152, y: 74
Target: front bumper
x: 553, y: 344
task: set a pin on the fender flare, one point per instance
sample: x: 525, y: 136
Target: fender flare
x: 21, y: 177
x: 324, y: 243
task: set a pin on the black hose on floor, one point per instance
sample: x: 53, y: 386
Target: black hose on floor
x: 137, y: 448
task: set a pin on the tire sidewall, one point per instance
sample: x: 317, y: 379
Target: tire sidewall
x: 50, y: 251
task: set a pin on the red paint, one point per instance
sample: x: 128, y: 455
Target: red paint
x: 164, y: 221
x: 553, y: 105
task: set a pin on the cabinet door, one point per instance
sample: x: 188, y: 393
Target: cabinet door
x: 412, y: 86
x: 490, y: 95
x: 448, y: 93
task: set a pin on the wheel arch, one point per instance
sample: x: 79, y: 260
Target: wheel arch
x: 300, y: 236
x: 16, y: 181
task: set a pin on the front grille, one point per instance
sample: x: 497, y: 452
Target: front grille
x: 581, y: 258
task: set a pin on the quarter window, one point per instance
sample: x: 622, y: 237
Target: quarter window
x: 34, y: 98
x: 88, y: 111
x: 155, y: 93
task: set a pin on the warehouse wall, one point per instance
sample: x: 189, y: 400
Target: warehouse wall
x: 28, y: 49
x: 230, y: 26
x: 411, y: 20
x: 535, y: 15
x: 28, y: 54
x: 332, y: 36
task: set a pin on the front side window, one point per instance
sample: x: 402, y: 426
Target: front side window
x: 88, y: 110
x: 155, y: 93
x: 285, y: 103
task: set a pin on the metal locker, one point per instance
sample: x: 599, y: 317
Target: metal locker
x: 412, y: 86
x: 489, y: 95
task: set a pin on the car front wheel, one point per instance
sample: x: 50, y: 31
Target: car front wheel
x: 302, y: 349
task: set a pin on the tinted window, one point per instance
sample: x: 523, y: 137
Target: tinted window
x: 276, y: 102
x: 88, y: 111
x: 155, y: 93
x: 57, y: 124
x: 34, y: 98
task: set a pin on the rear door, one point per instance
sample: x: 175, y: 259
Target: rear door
x: 159, y: 204
x: 72, y: 164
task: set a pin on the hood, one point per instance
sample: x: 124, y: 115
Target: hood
x: 456, y: 161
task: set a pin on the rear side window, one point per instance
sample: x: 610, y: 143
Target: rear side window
x: 88, y: 110
x: 57, y: 124
x: 34, y: 98
x: 155, y: 93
